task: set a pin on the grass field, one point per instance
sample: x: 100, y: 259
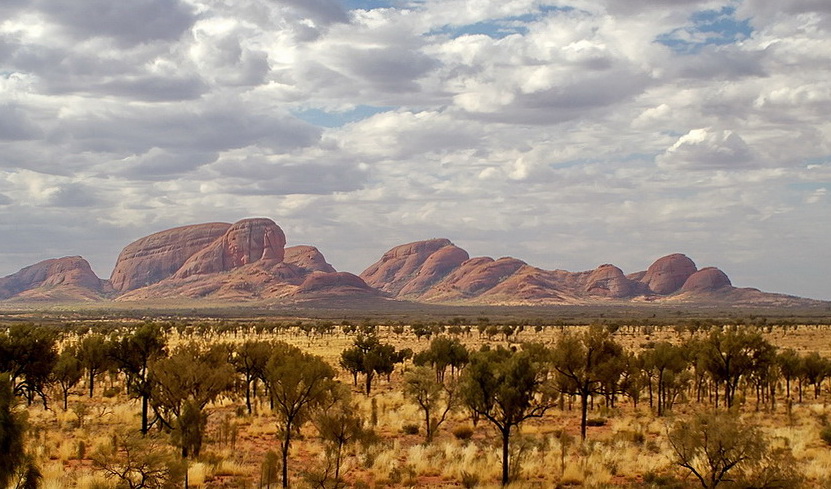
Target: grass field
x: 626, y: 447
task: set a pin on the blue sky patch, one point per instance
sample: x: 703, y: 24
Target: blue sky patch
x: 502, y: 27
x: 707, y: 28
x: 323, y: 118
x: 368, y: 4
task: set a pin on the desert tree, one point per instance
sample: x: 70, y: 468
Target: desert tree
x: 790, y: 367
x: 506, y: 388
x: 16, y: 467
x: 67, y: 372
x: 132, y: 354
x: 183, y: 385
x: 436, y: 399
x: 585, y: 363
x: 94, y: 357
x: 664, y: 363
x: 29, y: 354
x: 368, y: 356
x: 136, y: 462
x: 444, y: 352
x: 338, y: 425
x: 729, y: 358
x: 249, y: 359
x: 815, y: 369
x: 298, y: 383
x: 714, y: 446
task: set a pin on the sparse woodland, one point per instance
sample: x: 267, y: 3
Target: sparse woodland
x: 462, y: 403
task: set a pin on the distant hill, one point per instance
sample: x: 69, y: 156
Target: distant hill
x: 249, y: 261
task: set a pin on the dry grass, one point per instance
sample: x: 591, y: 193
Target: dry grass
x: 632, y: 444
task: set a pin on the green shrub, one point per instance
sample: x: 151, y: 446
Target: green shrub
x: 410, y: 429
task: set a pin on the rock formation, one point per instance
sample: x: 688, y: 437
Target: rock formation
x: 609, y: 281
x: 62, y: 278
x: 668, y: 273
x: 307, y: 258
x: 158, y: 256
x: 249, y: 261
x: 414, y: 266
x: 708, y: 279
x: 334, y: 283
x: 246, y: 241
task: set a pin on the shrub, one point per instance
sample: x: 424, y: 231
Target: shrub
x: 596, y: 422
x: 463, y: 432
x: 825, y: 434
x: 410, y: 429
x: 469, y: 480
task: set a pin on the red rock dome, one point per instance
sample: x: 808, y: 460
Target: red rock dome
x: 706, y: 280
x: 669, y: 273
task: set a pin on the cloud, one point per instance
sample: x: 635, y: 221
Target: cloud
x: 128, y: 23
x: 605, y: 130
x: 15, y: 124
x: 323, y: 11
x: 708, y: 149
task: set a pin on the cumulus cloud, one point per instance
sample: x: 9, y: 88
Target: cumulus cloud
x: 605, y: 130
x: 708, y: 149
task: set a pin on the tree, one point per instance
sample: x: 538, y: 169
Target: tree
x: 183, y: 385
x: 298, y: 383
x: 665, y: 362
x: 729, y: 358
x: 133, y: 355
x: 790, y: 366
x: 139, y: 463
x: 814, y: 370
x: 444, y: 352
x: 585, y: 363
x: 67, y: 372
x: 712, y: 446
x: 12, y: 429
x: 369, y: 356
x: 435, y: 399
x: 250, y: 359
x: 29, y: 354
x: 94, y: 357
x: 339, y: 425
x: 506, y: 388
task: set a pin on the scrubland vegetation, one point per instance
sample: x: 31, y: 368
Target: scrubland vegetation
x: 463, y: 402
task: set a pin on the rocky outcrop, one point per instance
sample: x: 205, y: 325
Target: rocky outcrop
x: 668, y: 273
x: 434, y: 269
x: 66, y: 278
x: 307, y: 258
x: 709, y: 279
x: 334, y: 283
x: 246, y: 241
x: 411, y: 264
x: 153, y: 258
x: 249, y: 261
x: 609, y: 281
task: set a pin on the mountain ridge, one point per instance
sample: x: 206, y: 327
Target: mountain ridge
x: 249, y: 261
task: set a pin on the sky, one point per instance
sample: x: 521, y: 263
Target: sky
x: 567, y: 134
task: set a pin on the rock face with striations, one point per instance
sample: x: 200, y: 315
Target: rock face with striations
x: 307, y: 258
x: 158, y: 256
x: 414, y: 266
x: 668, y: 273
x: 245, y: 242
x: 70, y: 277
x: 609, y: 281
